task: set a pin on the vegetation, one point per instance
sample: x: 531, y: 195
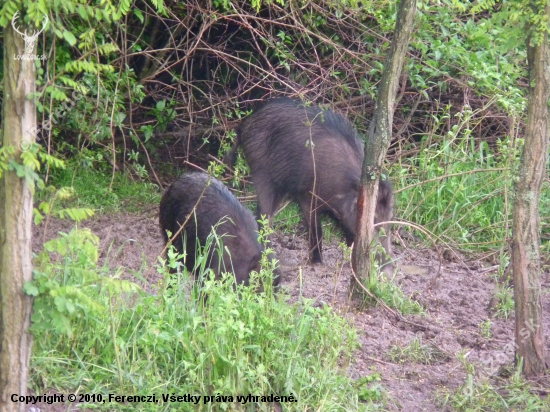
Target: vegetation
x: 387, y: 290
x: 485, y: 329
x: 105, y: 336
x: 418, y: 352
x: 131, y: 94
x: 102, y: 192
x: 107, y: 101
x: 481, y: 394
x: 123, y: 85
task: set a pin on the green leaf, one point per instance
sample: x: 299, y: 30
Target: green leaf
x: 38, y: 217
x: 76, y: 214
x: 51, y: 161
x: 44, y: 207
x: 61, y: 303
x: 147, y: 132
x: 65, y: 193
x: 82, y: 12
x: 30, y: 289
x: 30, y: 160
x: 71, y: 39
x: 70, y: 306
x: 139, y: 15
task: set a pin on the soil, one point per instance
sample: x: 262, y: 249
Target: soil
x: 455, y: 306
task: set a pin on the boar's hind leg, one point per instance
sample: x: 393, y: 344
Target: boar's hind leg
x: 315, y: 230
x: 268, y: 200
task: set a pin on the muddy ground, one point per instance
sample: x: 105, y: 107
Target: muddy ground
x: 455, y: 306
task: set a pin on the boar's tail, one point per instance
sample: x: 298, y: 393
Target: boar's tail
x: 231, y: 157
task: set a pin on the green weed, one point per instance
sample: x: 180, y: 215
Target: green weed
x: 235, y: 342
x: 385, y: 289
x: 482, y: 394
x: 503, y: 291
x: 370, y: 388
x: 459, y: 188
x: 290, y: 217
x: 288, y: 220
x: 505, y: 305
x: 417, y: 352
x: 485, y: 329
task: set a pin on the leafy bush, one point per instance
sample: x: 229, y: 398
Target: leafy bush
x: 68, y: 284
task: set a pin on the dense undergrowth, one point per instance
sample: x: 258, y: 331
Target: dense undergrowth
x: 99, y: 334
x: 123, y: 91
x: 462, y: 191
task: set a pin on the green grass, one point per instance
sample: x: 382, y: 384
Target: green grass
x: 384, y: 288
x: 96, y: 334
x: 467, y: 207
x: 504, y: 292
x: 505, y: 305
x: 480, y: 393
x: 460, y: 193
x: 91, y: 189
x: 288, y: 219
x: 485, y: 329
x: 461, y: 189
x: 417, y: 352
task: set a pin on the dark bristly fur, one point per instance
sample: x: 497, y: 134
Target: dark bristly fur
x: 282, y: 163
x: 239, y: 229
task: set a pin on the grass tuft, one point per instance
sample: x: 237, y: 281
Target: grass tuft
x: 418, y: 352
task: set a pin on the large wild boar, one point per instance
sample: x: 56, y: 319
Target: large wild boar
x: 296, y: 150
x: 211, y: 202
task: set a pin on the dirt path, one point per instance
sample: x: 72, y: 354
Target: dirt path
x: 454, y: 308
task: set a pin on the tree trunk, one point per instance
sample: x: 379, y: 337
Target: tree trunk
x: 526, y: 266
x: 379, y: 139
x: 19, y: 120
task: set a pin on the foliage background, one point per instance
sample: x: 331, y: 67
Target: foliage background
x: 152, y: 88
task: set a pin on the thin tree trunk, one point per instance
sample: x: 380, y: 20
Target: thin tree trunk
x: 378, y: 140
x: 526, y: 266
x: 19, y: 119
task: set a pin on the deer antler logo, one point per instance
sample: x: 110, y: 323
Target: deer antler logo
x: 29, y: 39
